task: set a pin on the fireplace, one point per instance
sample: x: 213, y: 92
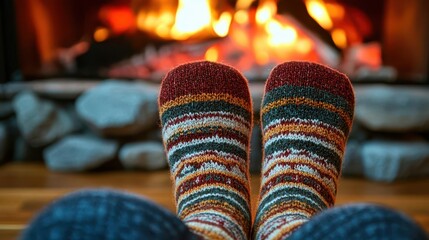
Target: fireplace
x: 55, y: 57
x: 380, y: 41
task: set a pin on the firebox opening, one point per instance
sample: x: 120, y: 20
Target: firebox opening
x: 145, y: 38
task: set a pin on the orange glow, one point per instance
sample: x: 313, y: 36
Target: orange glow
x: 340, y: 38
x: 304, y: 46
x: 191, y: 17
x: 262, y: 56
x: 336, y: 11
x: 240, y: 38
x: 318, y: 11
x: 243, y: 4
x: 101, y: 34
x: 146, y: 21
x: 221, y: 27
x: 248, y: 37
x: 119, y: 18
x: 266, y: 10
x: 331, y: 16
x: 280, y: 35
x: 163, y: 31
x: 369, y: 55
x: 212, y: 54
x: 241, y: 17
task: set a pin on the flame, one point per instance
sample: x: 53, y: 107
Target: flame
x: 336, y: 11
x: 243, y: 4
x: 212, y: 54
x: 241, y: 17
x: 163, y: 28
x: 160, y: 24
x: 221, y: 27
x: 266, y: 11
x: 191, y: 17
x: 331, y: 17
x: 317, y: 10
x: 251, y: 37
x: 340, y: 38
x: 280, y: 35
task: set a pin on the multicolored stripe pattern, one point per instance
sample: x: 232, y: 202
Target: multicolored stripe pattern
x: 206, y: 118
x: 307, y: 113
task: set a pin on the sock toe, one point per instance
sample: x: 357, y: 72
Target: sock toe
x: 203, y: 77
x: 308, y: 74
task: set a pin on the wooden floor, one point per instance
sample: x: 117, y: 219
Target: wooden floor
x: 26, y: 188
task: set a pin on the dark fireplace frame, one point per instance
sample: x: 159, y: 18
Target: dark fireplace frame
x: 9, y: 66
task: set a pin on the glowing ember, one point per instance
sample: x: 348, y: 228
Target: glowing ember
x: 101, y: 34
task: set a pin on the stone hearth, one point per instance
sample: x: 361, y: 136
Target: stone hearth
x: 90, y: 125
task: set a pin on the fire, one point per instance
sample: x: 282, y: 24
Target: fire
x: 266, y: 11
x: 317, y: 10
x: 191, y: 17
x: 198, y: 19
x: 212, y: 54
x: 247, y: 36
x: 345, y: 31
x: 241, y: 17
x: 340, y: 38
x: 221, y: 27
x: 280, y: 35
x: 335, y: 10
x: 243, y: 4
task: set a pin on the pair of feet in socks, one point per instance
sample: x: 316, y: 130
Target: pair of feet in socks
x: 206, y: 116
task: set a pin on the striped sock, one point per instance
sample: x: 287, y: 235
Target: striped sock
x: 307, y: 112
x: 206, y: 116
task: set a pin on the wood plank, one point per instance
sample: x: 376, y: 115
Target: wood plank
x: 25, y: 188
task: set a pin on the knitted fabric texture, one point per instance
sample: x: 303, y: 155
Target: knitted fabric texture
x: 205, y: 112
x: 105, y: 214
x: 307, y: 113
x: 360, y: 221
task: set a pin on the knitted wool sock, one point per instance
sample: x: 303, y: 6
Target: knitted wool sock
x: 206, y: 111
x: 307, y: 113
